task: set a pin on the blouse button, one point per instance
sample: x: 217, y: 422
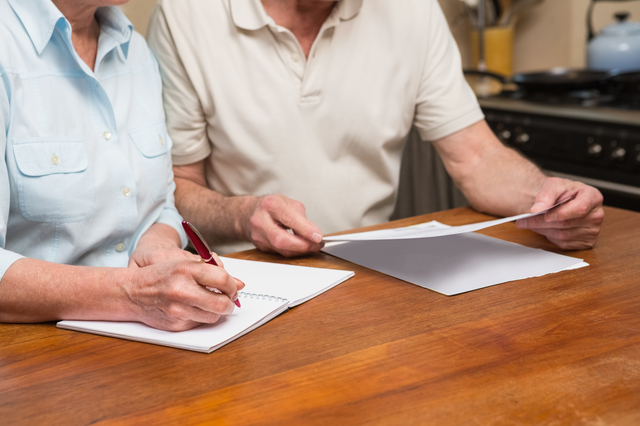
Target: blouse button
x: 55, y: 160
x: 106, y: 135
x: 120, y: 247
x: 126, y: 191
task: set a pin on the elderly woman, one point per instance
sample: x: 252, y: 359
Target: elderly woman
x: 86, y: 187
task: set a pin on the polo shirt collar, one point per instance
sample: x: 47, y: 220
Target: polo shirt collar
x: 347, y: 9
x: 40, y: 18
x: 250, y: 14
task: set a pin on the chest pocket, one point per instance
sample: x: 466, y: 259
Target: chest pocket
x: 53, y: 180
x: 154, y: 144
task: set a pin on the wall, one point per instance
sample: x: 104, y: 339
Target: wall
x: 552, y: 34
x: 138, y: 12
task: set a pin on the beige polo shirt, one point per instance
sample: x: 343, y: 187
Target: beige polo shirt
x: 326, y: 130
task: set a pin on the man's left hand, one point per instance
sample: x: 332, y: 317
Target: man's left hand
x: 574, y: 225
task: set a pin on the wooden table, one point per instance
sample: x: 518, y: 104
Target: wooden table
x: 561, y: 349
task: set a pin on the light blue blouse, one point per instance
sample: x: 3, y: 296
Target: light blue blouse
x: 86, y: 164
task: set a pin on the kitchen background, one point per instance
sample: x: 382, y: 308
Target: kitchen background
x: 548, y: 35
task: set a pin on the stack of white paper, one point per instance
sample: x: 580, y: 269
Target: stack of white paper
x: 450, y: 264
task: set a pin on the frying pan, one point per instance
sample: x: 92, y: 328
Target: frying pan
x: 627, y: 83
x: 555, y: 80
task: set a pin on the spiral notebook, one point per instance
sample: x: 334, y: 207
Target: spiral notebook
x: 271, y: 290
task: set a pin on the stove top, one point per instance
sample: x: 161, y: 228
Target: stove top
x: 591, y: 105
x: 589, y: 136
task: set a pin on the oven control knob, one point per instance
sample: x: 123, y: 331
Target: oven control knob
x: 594, y: 150
x: 522, y: 138
x: 504, y: 135
x: 618, y: 154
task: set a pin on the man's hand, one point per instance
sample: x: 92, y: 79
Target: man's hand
x: 161, y: 243
x: 574, y: 225
x: 180, y: 295
x: 273, y: 217
x: 264, y: 221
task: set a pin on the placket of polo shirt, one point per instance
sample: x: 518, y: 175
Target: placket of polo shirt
x: 290, y: 53
x: 317, y: 66
x: 307, y: 73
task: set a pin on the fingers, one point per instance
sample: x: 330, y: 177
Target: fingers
x: 274, y: 215
x: 239, y: 284
x: 594, y: 217
x: 291, y: 214
x: 574, y: 225
x: 215, y: 277
x: 278, y: 239
x: 184, y: 317
x: 580, y: 238
x: 552, y: 190
x: 174, y: 295
x: 132, y: 263
x: 217, y: 259
x: 586, y: 200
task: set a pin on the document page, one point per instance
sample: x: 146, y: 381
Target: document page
x: 412, y: 232
x: 297, y: 284
x: 453, y: 264
x: 205, y: 338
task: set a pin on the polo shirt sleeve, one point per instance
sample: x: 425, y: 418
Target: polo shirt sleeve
x: 186, y: 121
x: 7, y: 258
x: 445, y: 102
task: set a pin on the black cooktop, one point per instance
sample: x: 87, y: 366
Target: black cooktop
x: 582, y: 98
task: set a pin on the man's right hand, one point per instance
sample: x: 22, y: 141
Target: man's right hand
x: 273, y: 217
x: 174, y: 296
x: 265, y: 221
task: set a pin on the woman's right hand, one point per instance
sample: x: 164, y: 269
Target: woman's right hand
x: 174, y: 296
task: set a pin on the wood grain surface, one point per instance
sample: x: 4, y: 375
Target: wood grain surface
x: 559, y: 349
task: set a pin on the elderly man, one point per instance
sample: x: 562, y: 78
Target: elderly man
x: 312, y: 99
x: 86, y: 185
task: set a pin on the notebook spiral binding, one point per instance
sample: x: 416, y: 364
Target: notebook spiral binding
x: 246, y: 295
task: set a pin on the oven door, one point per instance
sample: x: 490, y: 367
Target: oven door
x: 602, y: 154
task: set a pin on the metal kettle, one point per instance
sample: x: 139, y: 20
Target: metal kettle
x: 617, y: 47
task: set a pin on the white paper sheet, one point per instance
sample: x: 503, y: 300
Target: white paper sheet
x: 453, y: 264
x: 430, y: 232
x: 294, y: 283
x: 206, y: 338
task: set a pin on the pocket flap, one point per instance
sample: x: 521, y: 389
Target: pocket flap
x: 151, y: 141
x: 41, y: 157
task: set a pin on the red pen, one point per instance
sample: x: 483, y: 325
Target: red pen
x: 201, y: 247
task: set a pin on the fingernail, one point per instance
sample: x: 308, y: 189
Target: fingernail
x: 552, y: 217
x: 239, y: 283
x: 521, y: 224
x: 537, y: 207
x: 316, y: 238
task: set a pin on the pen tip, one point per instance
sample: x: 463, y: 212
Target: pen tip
x: 237, y: 302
